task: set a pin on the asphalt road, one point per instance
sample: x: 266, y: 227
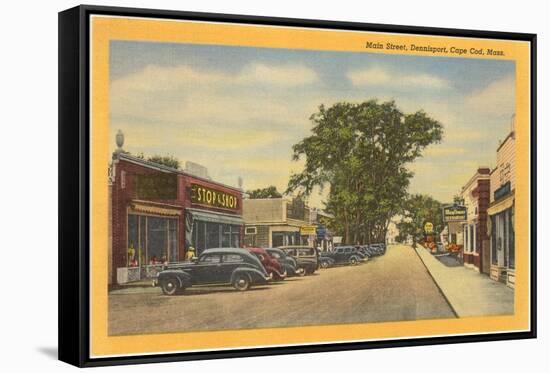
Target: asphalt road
x: 392, y: 287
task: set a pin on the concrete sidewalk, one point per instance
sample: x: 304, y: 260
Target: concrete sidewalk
x: 469, y: 292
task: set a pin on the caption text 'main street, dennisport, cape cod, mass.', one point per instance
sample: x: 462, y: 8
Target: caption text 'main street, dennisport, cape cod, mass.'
x: 434, y: 50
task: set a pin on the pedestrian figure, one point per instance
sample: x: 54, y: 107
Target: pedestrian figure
x: 190, y: 254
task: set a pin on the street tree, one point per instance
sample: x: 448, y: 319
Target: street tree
x: 269, y: 192
x: 166, y: 160
x: 417, y: 210
x: 360, y: 152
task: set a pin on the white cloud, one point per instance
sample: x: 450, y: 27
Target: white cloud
x: 498, y: 98
x: 372, y: 76
x: 188, y: 96
x: 377, y: 76
x: 287, y: 76
x: 154, y: 78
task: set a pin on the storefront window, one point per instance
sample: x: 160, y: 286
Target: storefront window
x: 208, y: 235
x: 494, y: 258
x: 236, y: 235
x: 199, y: 233
x: 511, y: 240
x: 173, y: 240
x: 226, y: 236
x: 285, y: 238
x: 505, y: 222
x: 212, y: 235
x: 151, y: 240
x: 471, y: 238
x: 133, y: 242
x: 157, y: 240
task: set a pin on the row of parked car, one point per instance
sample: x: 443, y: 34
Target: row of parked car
x: 243, y: 268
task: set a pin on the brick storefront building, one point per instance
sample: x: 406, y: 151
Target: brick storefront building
x: 475, y: 194
x: 157, y: 213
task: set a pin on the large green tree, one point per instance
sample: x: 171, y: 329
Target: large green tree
x: 417, y: 210
x: 360, y: 151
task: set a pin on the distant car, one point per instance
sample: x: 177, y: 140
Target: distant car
x: 344, y: 255
x: 363, y: 250
x: 235, y: 266
x: 271, y: 264
x: 378, y: 248
x: 307, y: 257
x: 288, y: 262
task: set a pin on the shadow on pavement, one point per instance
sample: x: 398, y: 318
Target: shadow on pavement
x: 204, y: 291
x: 49, y: 351
x: 449, y: 260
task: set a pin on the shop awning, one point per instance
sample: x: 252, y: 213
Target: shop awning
x: 213, y: 217
x: 155, y: 209
x: 501, y: 206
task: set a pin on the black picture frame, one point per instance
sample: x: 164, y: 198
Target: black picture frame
x: 74, y: 189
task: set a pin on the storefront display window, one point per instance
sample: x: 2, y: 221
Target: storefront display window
x: 494, y: 257
x: 471, y: 238
x: 207, y: 235
x: 212, y: 235
x: 505, y: 236
x: 151, y: 240
x: 285, y: 238
x: 133, y: 242
x: 511, y: 240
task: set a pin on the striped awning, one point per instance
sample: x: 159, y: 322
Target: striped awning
x: 501, y: 205
x: 155, y: 209
x: 214, y: 217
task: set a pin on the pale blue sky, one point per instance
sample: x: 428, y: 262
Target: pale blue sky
x: 238, y: 110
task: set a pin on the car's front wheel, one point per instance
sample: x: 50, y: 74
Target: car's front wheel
x: 353, y: 261
x: 324, y: 264
x: 241, y: 282
x: 170, y: 286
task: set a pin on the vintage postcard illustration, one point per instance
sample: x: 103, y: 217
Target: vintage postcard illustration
x: 268, y: 186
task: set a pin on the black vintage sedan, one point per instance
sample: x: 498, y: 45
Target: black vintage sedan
x: 232, y: 266
x: 345, y: 255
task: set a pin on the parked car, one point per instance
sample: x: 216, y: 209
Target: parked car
x: 325, y: 261
x: 378, y: 248
x: 363, y: 249
x: 344, y: 255
x: 237, y: 267
x: 288, y: 262
x: 307, y: 258
x: 271, y: 265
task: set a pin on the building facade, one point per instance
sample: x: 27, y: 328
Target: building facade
x: 475, y: 194
x: 501, y: 213
x: 157, y: 213
x: 274, y: 222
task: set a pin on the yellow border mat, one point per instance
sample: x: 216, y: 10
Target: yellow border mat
x: 104, y: 29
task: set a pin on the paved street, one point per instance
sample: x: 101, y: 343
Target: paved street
x: 393, y: 287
